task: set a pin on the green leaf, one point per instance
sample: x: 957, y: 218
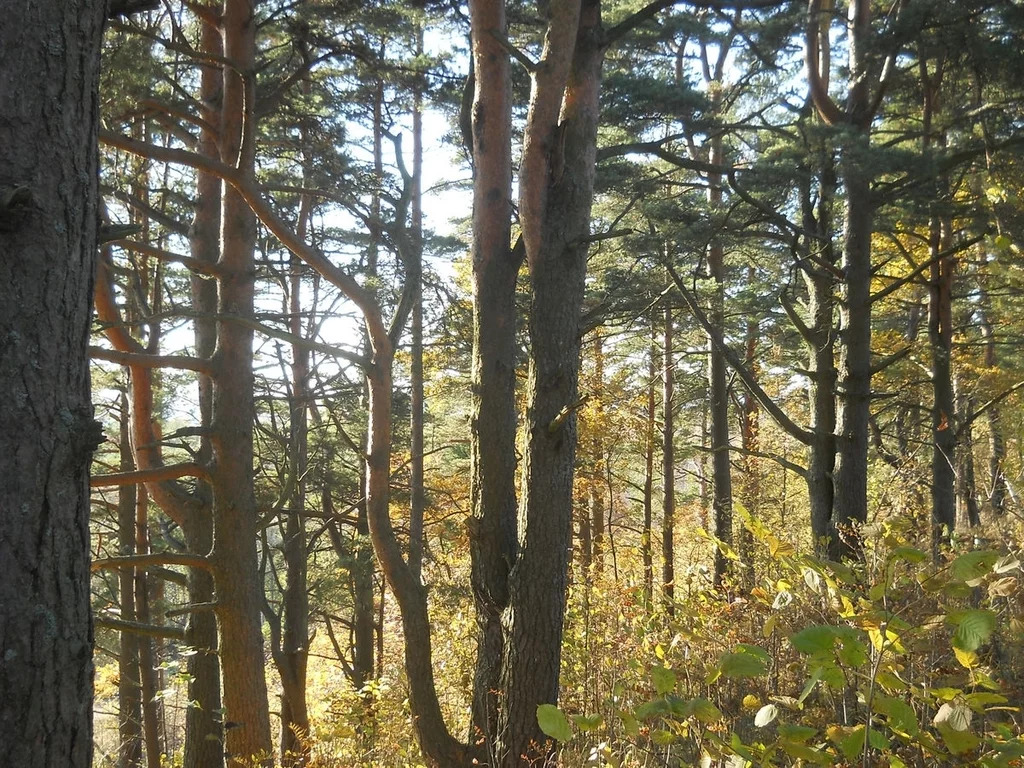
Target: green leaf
x: 971, y: 566
x: 817, y: 638
x: 742, y: 665
x: 900, y: 715
x: 662, y: 737
x: 664, y: 679
x: 958, y: 742
x: 973, y: 628
x: 796, y: 733
x: 911, y: 555
x: 588, y: 723
x: 706, y: 712
x: 653, y: 708
x: 852, y: 744
x: 553, y: 722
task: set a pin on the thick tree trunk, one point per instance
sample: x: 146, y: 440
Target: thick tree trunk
x: 556, y: 192
x: 668, y: 467
x: 851, y: 469
x: 247, y: 726
x: 492, y: 527
x: 49, y: 66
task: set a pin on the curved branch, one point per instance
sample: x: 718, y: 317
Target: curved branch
x: 750, y: 382
x: 826, y: 107
x: 363, y: 299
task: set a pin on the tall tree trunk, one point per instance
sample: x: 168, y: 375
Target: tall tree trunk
x: 718, y: 403
x: 49, y: 67
x: 851, y: 469
x: 556, y: 186
x: 597, y: 481
x: 940, y: 334
x: 646, y: 541
x: 751, y: 486
x: 129, y: 685
x: 668, y: 467
x: 417, y: 494
x: 292, y: 656
x: 997, y: 488
x: 492, y: 527
x: 151, y: 714
x: 940, y: 322
x: 818, y: 333
x: 247, y: 734
x: 204, y: 731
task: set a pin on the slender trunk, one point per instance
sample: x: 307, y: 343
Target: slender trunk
x: 129, y: 685
x: 668, y: 468
x: 492, y: 526
x: 646, y: 541
x: 997, y: 488
x: 204, y: 732
x: 940, y: 334
x: 718, y: 389
x: 417, y: 501
x: 293, y: 654
x: 147, y: 655
x: 820, y: 342
x: 750, y: 442
x: 597, y: 480
x: 940, y: 324
x: 968, y: 513
x: 234, y: 505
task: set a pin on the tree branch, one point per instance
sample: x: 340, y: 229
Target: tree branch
x: 781, y: 418
x: 154, y: 475
x: 181, y: 362
x: 152, y: 558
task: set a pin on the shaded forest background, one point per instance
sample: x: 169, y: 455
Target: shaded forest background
x: 658, y: 403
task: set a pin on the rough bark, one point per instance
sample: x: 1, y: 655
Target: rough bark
x: 234, y: 505
x: 49, y: 62
x: 204, y: 733
x: 850, y: 477
x: 492, y: 527
x: 819, y: 339
x: 555, y: 196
